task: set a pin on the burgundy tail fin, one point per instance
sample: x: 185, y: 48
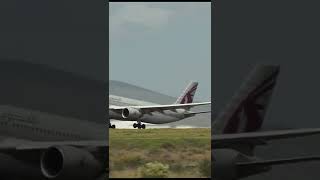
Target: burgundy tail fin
x: 247, y: 108
x: 188, y: 94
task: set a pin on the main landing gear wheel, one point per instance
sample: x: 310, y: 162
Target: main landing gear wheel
x: 112, y: 126
x: 139, y: 125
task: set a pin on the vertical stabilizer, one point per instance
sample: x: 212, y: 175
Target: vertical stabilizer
x: 247, y: 108
x: 188, y: 93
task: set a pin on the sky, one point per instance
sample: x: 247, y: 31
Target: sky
x: 73, y: 40
x: 65, y: 35
x: 161, y: 46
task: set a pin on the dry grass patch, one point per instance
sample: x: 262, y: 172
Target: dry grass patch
x: 183, y: 150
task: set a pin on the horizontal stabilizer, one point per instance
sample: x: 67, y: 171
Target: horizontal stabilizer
x: 249, y: 168
x: 223, y: 140
x: 190, y: 114
x: 278, y: 161
x: 200, y: 112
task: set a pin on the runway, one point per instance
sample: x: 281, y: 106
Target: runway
x: 128, y: 125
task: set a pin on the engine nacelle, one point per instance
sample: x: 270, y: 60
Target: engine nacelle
x: 69, y: 162
x: 131, y: 113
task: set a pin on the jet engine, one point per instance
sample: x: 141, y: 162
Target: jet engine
x: 226, y: 165
x: 131, y: 113
x: 66, y: 162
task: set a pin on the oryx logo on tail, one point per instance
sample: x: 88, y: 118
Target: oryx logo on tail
x: 246, y: 110
x: 188, y: 94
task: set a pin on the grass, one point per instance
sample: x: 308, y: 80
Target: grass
x: 182, y: 149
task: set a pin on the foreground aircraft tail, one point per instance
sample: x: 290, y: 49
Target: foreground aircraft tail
x: 247, y: 108
x: 188, y: 94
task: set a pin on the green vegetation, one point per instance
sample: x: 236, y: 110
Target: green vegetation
x: 160, y: 152
x: 154, y: 170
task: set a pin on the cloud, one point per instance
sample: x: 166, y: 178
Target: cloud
x: 139, y: 14
x: 133, y: 21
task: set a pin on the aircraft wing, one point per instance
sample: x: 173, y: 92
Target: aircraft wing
x: 10, y: 144
x: 258, y: 138
x: 161, y: 107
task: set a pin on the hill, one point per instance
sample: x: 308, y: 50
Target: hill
x: 44, y: 88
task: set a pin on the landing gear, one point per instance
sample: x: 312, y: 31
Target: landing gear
x: 112, y: 126
x: 135, y: 125
x: 139, y: 125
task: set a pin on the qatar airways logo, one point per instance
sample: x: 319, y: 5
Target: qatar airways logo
x: 188, y: 97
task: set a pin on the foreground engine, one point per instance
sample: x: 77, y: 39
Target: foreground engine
x: 227, y: 165
x: 67, y: 162
x: 131, y: 113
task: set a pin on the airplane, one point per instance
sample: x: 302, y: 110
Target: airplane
x: 126, y: 109
x: 235, y: 130
x: 39, y: 145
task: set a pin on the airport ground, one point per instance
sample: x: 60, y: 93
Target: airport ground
x: 185, y: 152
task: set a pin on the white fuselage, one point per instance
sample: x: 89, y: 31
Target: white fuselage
x: 156, y: 117
x: 31, y: 125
